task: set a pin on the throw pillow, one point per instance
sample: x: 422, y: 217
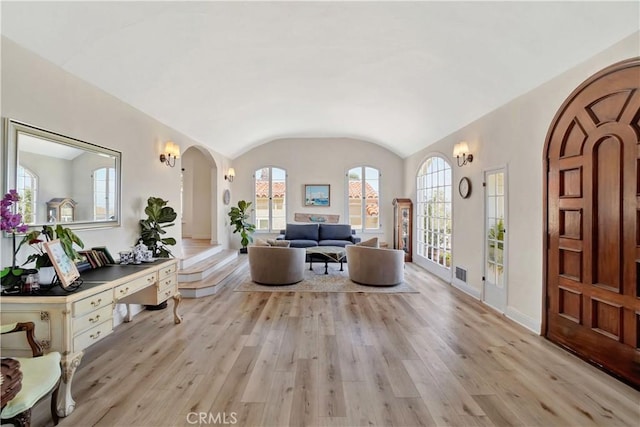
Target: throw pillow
x: 279, y: 243
x: 371, y: 243
x: 260, y: 242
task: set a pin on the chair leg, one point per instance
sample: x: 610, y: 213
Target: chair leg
x: 54, y: 404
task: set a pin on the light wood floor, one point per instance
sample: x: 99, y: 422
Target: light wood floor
x: 330, y: 359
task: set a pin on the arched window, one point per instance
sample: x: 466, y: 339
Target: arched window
x: 433, y: 211
x: 27, y: 188
x: 104, y: 194
x: 363, y: 184
x: 270, y: 206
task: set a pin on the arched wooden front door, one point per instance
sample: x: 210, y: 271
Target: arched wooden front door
x: 593, y: 221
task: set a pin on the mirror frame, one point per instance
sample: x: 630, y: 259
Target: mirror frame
x: 10, y: 162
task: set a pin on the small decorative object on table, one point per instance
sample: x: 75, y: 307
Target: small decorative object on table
x: 68, y: 274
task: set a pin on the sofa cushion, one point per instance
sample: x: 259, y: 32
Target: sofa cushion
x: 302, y: 243
x: 279, y: 243
x: 301, y: 232
x: 335, y: 232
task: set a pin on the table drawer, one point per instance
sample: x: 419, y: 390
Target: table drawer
x: 91, y: 336
x: 167, y: 282
x: 166, y: 293
x: 91, y: 303
x: 134, y: 286
x: 91, y: 319
x: 167, y: 271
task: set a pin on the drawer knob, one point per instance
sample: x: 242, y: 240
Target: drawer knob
x: 94, y: 319
x: 95, y: 303
x: 167, y: 293
x: 95, y: 336
x: 125, y: 290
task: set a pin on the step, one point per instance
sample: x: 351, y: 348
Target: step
x: 205, y: 268
x: 214, y: 283
x: 197, y: 254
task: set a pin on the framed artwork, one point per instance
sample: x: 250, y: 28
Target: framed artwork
x: 64, y: 266
x: 317, y: 194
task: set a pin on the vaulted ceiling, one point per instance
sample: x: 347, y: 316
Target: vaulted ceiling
x: 233, y: 75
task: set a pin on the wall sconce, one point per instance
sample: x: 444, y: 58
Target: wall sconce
x: 231, y: 173
x: 461, y: 149
x: 171, y: 151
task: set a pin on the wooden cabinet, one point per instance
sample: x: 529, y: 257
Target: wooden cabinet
x: 61, y: 210
x: 403, y: 227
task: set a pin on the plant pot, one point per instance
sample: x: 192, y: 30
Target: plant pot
x: 160, y: 306
x: 243, y: 250
x: 46, y: 275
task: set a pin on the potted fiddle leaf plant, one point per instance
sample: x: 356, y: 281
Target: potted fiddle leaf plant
x: 159, y: 217
x: 239, y: 217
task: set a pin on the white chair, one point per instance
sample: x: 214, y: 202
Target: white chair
x: 37, y: 378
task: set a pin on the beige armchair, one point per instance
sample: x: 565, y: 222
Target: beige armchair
x: 273, y: 265
x: 375, y: 266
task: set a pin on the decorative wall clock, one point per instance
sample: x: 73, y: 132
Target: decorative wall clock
x: 464, y: 187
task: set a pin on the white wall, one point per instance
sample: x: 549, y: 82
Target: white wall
x: 39, y: 93
x: 512, y: 136
x: 320, y: 161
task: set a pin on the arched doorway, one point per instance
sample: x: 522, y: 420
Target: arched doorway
x: 199, y: 201
x: 592, y: 216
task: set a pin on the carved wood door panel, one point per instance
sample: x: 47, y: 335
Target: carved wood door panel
x: 593, y: 221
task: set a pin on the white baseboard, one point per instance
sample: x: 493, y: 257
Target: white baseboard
x: 432, y: 268
x: 524, y: 320
x: 464, y: 287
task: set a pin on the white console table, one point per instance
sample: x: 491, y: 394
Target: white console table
x: 71, y: 322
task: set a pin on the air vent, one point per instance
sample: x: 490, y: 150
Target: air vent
x: 461, y: 274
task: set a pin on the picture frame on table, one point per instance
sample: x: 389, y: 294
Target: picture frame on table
x: 64, y: 266
x: 317, y: 195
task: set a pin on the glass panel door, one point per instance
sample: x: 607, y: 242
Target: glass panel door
x: 495, y: 293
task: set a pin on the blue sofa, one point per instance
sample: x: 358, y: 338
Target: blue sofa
x: 309, y: 235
